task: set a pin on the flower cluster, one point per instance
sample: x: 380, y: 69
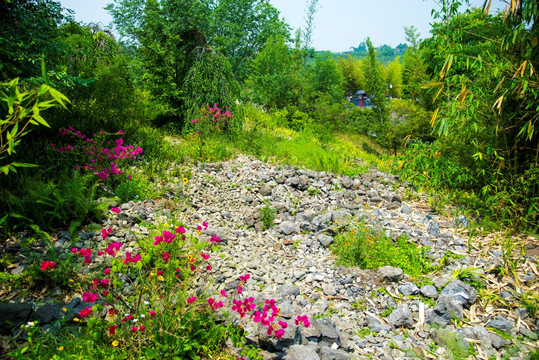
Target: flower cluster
x: 214, y: 118
x: 100, y: 156
x: 86, y: 253
x: 47, y: 265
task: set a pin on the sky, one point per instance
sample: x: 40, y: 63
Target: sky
x: 339, y: 24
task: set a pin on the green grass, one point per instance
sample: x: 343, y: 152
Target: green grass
x: 371, y: 249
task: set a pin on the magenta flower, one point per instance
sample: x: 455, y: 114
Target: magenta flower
x: 89, y: 297
x: 180, y: 229
x: 115, y: 210
x: 107, y: 271
x: 112, y: 329
x: 245, y: 277
x: 223, y: 293
x: 215, y: 239
x: 166, y: 256
x: 191, y: 300
x: 120, y: 132
x: 87, y: 311
x: 47, y: 265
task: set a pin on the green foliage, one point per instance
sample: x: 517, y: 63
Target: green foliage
x: 19, y: 109
x: 210, y: 81
x: 273, y: 78
x: 457, y: 348
x: 376, y: 87
x: 29, y: 30
x: 51, y: 204
x: 371, y: 249
x: 268, y: 215
x: 241, y: 28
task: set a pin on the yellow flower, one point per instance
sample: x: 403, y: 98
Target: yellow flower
x: 185, y: 180
x: 347, y: 243
x: 61, y: 348
x: 64, y: 309
x: 115, y: 343
x: 76, y: 319
x: 160, y: 278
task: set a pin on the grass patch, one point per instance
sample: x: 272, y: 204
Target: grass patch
x: 370, y: 249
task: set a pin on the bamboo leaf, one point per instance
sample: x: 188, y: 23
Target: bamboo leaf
x: 498, y: 104
x: 487, y: 10
x: 438, y: 93
x: 23, y: 164
x: 433, y: 119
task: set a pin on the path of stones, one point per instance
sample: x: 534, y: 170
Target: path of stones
x: 292, y: 262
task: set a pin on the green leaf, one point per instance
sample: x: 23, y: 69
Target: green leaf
x: 23, y: 164
x: 59, y: 97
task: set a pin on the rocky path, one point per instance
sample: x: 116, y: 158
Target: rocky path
x: 354, y: 314
x: 291, y: 262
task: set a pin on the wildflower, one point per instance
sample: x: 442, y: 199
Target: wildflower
x: 61, y: 348
x: 166, y: 256
x: 180, y: 229
x: 106, y: 232
x: 205, y: 256
x: 185, y: 180
x: 142, y: 328
x: 89, y: 297
x: 47, y: 265
x: 76, y: 319
x: 215, y: 239
x: 115, y: 343
x: 214, y: 305
x: 279, y: 333
x: 107, y: 271
x: 112, y: 329
x: 209, y: 267
x: 87, y: 311
x: 223, y: 293
x: 347, y: 243
x: 115, y: 210
x: 64, y: 309
x: 245, y: 277
x: 191, y: 300
x: 160, y: 278
x: 120, y: 132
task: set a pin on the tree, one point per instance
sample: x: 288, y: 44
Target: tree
x: 274, y: 76
x: 240, y: 29
x: 376, y: 88
x: 28, y: 29
x: 393, y: 78
x: 353, y: 77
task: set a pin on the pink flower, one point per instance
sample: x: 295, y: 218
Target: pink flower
x: 166, y: 256
x: 215, y: 239
x: 87, y: 310
x: 209, y: 267
x: 115, y: 210
x: 47, y: 265
x: 223, y: 293
x: 142, y: 328
x: 180, y: 229
x: 204, y: 225
x: 89, y: 297
x: 120, y: 132
x: 245, y: 277
x: 191, y: 300
x: 205, y: 256
x: 112, y: 329
x: 107, y: 271
x: 239, y: 289
x: 279, y: 333
x: 106, y: 232
x: 283, y: 324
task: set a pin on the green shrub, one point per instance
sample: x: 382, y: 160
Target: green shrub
x: 371, y: 249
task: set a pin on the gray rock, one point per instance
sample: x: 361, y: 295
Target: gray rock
x: 497, y: 341
x: 401, y: 316
x: 329, y: 289
x: 444, y: 312
x: 333, y: 354
x: 462, y: 221
x: 265, y: 190
x: 321, y: 222
x: 429, y: 291
x: 303, y: 181
x: 325, y: 240
x: 287, y: 290
x: 462, y: 292
x: 330, y: 334
x: 405, y: 209
x: 481, y: 334
x: 502, y: 324
x: 408, y: 288
x: 300, y: 352
x: 313, y: 332
x: 433, y: 228
x: 376, y: 326
x: 288, y: 228
x: 12, y: 316
x: 391, y: 274
x: 441, y: 281
x: 47, y: 314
